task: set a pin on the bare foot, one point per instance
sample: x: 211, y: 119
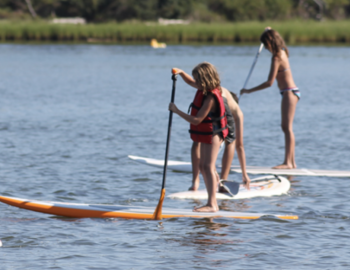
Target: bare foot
x: 283, y: 166
x: 194, y: 187
x: 205, y: 208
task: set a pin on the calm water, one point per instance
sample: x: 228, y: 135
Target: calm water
x: 70, y: 115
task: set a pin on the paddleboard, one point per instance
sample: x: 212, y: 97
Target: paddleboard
x: 76, y: 210
x: 181, y: 166
x: 260, y: 187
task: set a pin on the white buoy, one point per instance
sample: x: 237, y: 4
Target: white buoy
x: 0, y: 243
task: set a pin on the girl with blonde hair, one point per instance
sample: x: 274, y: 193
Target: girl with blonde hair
x: 208, y: 126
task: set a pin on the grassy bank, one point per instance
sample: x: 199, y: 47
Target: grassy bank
x: 294, y: 32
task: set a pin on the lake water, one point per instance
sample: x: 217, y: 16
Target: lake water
x: 70, y: 115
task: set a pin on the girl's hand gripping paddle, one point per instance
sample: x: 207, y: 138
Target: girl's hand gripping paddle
x: 251, y: 69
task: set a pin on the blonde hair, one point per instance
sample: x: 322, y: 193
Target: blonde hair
x: 272, y: 40
x: 207, y: 77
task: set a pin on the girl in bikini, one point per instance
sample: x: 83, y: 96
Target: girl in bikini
x: 280, y: 70
x: 208, y: 126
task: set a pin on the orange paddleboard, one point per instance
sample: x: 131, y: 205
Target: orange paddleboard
x: 76, y: 210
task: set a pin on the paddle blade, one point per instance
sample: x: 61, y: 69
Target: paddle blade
x: 230, y: 187
x: 157, y: 215
x: 233, y: 187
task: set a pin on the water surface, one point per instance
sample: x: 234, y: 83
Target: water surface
x: 70, y: 115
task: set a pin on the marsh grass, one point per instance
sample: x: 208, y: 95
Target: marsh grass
x: 293, y: 31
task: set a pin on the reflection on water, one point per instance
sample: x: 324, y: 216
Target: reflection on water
x: 206, y: 232
x: 234, y: 205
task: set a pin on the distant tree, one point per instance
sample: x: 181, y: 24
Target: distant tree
x: 311, y: 9
x: 243, y: 10
x: 174, y: 9
x: 337, y: 9
x: 201, y: 10
x: 30, y: 8
x: 121, y: 10
x: 13, y: 5
x: 46, y: 8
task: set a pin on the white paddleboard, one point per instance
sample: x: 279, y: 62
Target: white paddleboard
x: 260, y: 187
x: 77, y: 210
x: 182, y: 166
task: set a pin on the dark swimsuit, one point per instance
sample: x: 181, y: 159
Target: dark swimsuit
x: 295, y: 91
x: 230, y: 123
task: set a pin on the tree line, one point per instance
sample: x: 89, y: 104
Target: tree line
x: 193, y: 10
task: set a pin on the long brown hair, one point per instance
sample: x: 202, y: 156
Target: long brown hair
x: 273, y: 41
x: 206, y: 77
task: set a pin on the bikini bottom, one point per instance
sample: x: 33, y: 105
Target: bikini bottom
x: 295, y: 91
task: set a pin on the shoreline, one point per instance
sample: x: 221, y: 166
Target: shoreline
x: 294, y: 32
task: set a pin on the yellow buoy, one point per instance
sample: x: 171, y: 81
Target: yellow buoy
x: 156, y: 45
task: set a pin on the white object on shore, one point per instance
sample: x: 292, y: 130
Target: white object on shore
x: 163, y: 21
x: 69, y: 21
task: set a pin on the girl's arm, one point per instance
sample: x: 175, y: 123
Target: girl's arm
x: 186, y: 77
x: 209, y: 102
x: 275, y: 63
x: 238, y: 116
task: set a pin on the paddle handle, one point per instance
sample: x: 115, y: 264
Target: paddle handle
x: 174, y: 78
x: 251, y: 69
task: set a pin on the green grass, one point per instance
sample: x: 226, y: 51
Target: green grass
x: 294, y: 32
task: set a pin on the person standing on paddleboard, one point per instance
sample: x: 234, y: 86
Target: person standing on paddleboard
x: 208, y: 126
x: 234, y: 138
x: 281, y: 71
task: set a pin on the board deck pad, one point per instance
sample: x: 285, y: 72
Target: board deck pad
x: 182, y: 166
x: 76, y: 210
x: 260, y: 187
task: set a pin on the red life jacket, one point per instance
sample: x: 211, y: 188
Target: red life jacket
x: 204, y: 131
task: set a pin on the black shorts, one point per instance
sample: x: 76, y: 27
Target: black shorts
x: 231, y: 130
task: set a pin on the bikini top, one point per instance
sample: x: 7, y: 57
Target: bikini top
x: 283, y: 70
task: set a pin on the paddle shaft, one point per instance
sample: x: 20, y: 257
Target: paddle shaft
x: 275, y: 176
x: 174, y: 78
x: 251, y: 69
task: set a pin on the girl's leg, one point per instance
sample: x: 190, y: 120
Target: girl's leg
x: 195, y: 157
x: 227, y: 158
x: 209, y: 154
x: 289, y: 102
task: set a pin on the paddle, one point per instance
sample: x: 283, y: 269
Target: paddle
x: 262, y: 179
x: 232, y: 187
x: 157, y: 215
x: 251, y: 69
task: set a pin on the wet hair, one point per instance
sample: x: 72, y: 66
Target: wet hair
x: 206, y: 77
x: 234, y: 97
x: 273, y: 41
